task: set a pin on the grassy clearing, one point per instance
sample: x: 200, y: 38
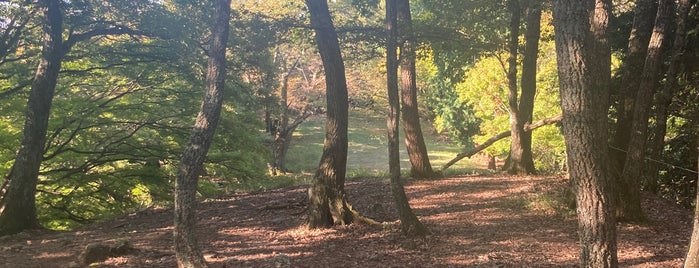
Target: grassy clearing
x: 367, y: 152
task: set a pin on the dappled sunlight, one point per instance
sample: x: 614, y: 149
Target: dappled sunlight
x: 44, y: 256
x: 474, y: 221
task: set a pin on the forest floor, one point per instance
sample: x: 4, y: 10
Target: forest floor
x: 476, y: 221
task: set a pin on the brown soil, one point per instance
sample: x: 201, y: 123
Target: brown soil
x: 475, y: 221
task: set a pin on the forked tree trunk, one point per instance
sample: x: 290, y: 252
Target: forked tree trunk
x: 18, y: 194
x: 420, y: 166
x: 409, y: 222
x: 665, y: 98
x: 584, y: 70
x: 285, y: 131
x: 282, y: 141
x: 328, y: 200
x: 629, y: 203
x: 692, y: 259
x: 187, y: 251
x: 631, y: 70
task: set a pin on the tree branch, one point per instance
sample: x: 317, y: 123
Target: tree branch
x: 502, y: 135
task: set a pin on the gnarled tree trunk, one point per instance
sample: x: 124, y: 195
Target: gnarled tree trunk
x: 584, y: 70
x: 187, y: 251
x: 328, y: 200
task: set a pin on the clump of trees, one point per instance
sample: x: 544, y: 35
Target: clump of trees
x: 99, y: 98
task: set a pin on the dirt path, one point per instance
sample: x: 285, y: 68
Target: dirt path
x: 475, y: 222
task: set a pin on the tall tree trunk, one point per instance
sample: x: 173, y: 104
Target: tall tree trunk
x: 186, y: 248
x: 414, y: 141
x: 629, y: 206
x: 409, y: 222
x: 526, y: 102
x: 584, y: 70
x: 631, y: 70
x: 514, y: 164
x: 328, y: 200
x: 18, y: 194
x: 692, y: 259
x: 665, y: 98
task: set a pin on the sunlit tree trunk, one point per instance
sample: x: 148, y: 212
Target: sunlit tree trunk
x: 187, y: 251
x: 409, y: 222
x: 328, y: 200
x: 629, y: 206
x: 18, y: 194
x: 665, y: 99
x: 420, y: 166
x: 584, y: 70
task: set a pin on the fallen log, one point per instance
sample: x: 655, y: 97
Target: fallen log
x: 502, y: 135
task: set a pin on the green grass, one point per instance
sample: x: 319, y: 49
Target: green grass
x: 367, y: 152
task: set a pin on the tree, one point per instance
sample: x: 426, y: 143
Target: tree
x: 631, y: 76
x: 409, y: 222
x: 525, y: 110
x: 584, y: 70
x: 328, y: 200
x: 191, y: 165
x: 668, y: 90
x: 629, y: 204
x: 283, y: 132
x: 420, y: 166
x: 18, y: 194
x: 500, y: 136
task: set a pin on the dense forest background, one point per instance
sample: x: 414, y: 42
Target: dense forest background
x: 130, y: 74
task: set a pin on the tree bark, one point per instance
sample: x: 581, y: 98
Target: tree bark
x: 631, y: 71
x: 692, y: 259
x: 665, y: 99
x: 629, y: 201
x: 584, y: 72
x: 18, y: 194
x: 420, y: 166
x: 409, y: 222
x: 328, y: 200
x: 528, y: 84
x: 187, y: 251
